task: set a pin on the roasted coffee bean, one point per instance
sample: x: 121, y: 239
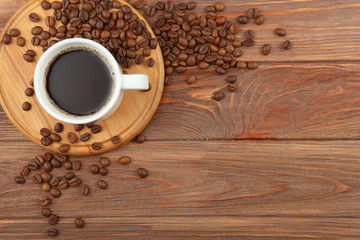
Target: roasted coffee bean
x: 266, y: 49
x: 63, y: 184
x: 26, y: 106
x: 79, y: 127
x: 220, y: 70
x: 169, y: 6
x: 14, y: 32
x: 150, y: 62
x: 287, y: 45
x: 75, y: 182
x: 231, y: 79
x: 47, y: 167
x: 44, y: 201
x: 55, y: 163
x: 150, y: 11
x: 29, y: 92
x: 280, y: 32
x: 68, y: 165
x: 153, y: 43
x: 219, y: 6
x: 85, y: 137
x: 104, y: 161
x: 35, y: 41
x: 28, y: 58
x: 45, y: 5
x: 96, y: 129
x: 58, y: 128
x: 115, y: 140
x: 139, y: 59
x: 260, y: 20
x: 45, y: 132
x: 191, y: 5
x: 102, y: 184
x: 54, y: 182
x: 24, y: 171
x: 232, y: 87
x: 243, y: 19
x: 72, y: 137
x: 140, y: 138
x: 52, y: 232
x: 90, y: 125
x: 248, y: 42
x: 69, y: 175
x: 32, y: 165
x: 36, y: 30
x: 53, y: 219
x: 203, y: 65
x: 191, y: 80
x: 56, y: 5
x: 252, y: 65
x: 20, y: 180
x: 96, y: 146
x: 94, y: 169
x: 219, y: 96
x: 142, y: 172
x: 48, y: 156
x: 168, y: 80
x: 253, y: 13
x: 39, y: 160
x: 55, y: 193
x: 45, y: 176
x: 46, y: 212
x: 79, y: 223
x: 55, y: 137
x: 46, y: 141
x: 249, y: 34
x: 61, y: 157
x: 125, y: 160
x: 6, y: 39
x: 76, y: 165
x: 21, y: 41
x: 103, y: 171
x: 49, y: 21
x: 84, y: 190
x: 46, y: 187
x: 34, y: 17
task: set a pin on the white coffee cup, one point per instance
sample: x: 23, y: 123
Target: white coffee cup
x: 122, y: 82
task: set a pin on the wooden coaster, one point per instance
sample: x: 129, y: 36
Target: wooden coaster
x: 134, y: 113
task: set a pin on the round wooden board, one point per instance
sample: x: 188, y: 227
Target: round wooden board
x: 134, y: 113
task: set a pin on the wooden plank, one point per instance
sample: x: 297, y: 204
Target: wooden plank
x: 305, y: 189
x: 277, y: 101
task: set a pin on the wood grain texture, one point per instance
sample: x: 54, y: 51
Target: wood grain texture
x: 134, y: 113
x: 273, y: 189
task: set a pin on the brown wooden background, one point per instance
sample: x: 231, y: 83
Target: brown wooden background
x: 278, y: 159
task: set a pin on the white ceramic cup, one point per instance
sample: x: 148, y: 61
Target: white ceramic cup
x: 122, y: 82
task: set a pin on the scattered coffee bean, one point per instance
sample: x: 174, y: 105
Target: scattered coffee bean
x: 94, y: 169
x: 46, y: 212
x: 104, y: 161
x: 96, y: 129
x: 85, y: 137
x: 28, y: 58
x: 52, y: 232
x: 55, y: 163
x: 63, y: 184
x: 46, y: 177
x: 45, y: 132
x: 191, y: 80
x: 219, y: 6
x: 253, y: 65
x: 68, y: 165
x: 84, y: 190
x: 96, y: 146
x: 55, y: 137
x: 46, y: 187
x: 266, y: 49
x: 243, y: 19
x: 34, y: 17
x: 36, y: 30
x: 54, y: 182
x: 75, y: 182
x: 6, y: 39
x: 26, y: 106
x: 59, y: 128
x: 72, y: 137
x: 47, y: 167
x: 286, y: 45
x: 76, y: 165
x: 79, y: 127
x: 232, y: 87
x: 280, y: 32
x: 253, y: 13
x: 150, y: 62
x: 29, y: 92
x: 46, y: 141
x: 69, y: 175
x: 21, y: 41
x: 55, y: 193
x: 125, y: 160
x: 102, y: 184
x: 61, y: 157
x: 140, y: 138
x: 39, y: 160
x: 142, y: 172
x: 32, y: 165
x: 45, y: 5
x: 103, y: 171
x: 56, y: 5
x: 14, y: 32
x: 191, y: 5
x: 48, y: 156
x: 219, y: 96
x: 24, y: 171
x: 20, y: 180
x: 260, y: 20
x: 44, y: 201
x: 90, y: 125
x: 64, y: 148
x: 79, y: 223
x: 53, y: 219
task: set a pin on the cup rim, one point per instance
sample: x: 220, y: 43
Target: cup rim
x: 43, y: 96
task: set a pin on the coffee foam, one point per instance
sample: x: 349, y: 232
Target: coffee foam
x: 72, y: 49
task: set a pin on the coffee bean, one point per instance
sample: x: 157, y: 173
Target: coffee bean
x: 96, y: 146
x: 36, y: 30
x: 253, y: 65
x: 32, y: 165
x: 26, y: 106
x: 50, y: 21
x: 48, y: 156
x: 115, y: 140
x: 68, y: 165
x: 79, y: 127
x: 52, y: 232
x: 84, y: 190
x: 29, y: 92
x: 219, y: 6
x: 253, y: 13
x: 46, y: 141
x: 280, y: 32
x: 104, y: 161
x: 243, y: 19
x: 31, y: 53
x: 24, y: 171
x: 150, y: 62
x: 248, y: 42
x: 191, y: 80
x: 204, y: 65
x: 76, y: 165
x: 75, y: 182
x: 125, y: 160
x: 232, y: 87
x: 28, y: 58
x: 34, y: 17
x: 6, y: 39
x: 150, y: 11
x: 139, y: 59
x: 55, y: 137
x: 168, y: 80
x: 191, y: 5
x: 260, y: 20
x: 47, y: 167
x: 39, y: 160
x: 220, y: 70
x: 46, y: 177
x: 63, y: 184
x: 94, y: 169
x: 55, y: 193
x: 56, y: 5
x: 59, y: 127
x: 46, y: 212
x: 90, y: 125
x: 287, y: 45
x: 219, y: 96
x: 102, y: 184
x: 55, y: 163
x: 103, y: 171
x: 96, y: 129
x: 35, y: 41
x: 140, y: 138
x: 53, y: 219
x: 85, y: 137
x: 61, y: 157
x: 44, y: 201
x: 79, y: 223
x: 20, y: 180
x: 46, y: 187
x: 21, y: 41
x: 69, y: 175
x: 153, y: 43
x: 45, y: 5
x: 14, y: 32
x: 142, y: 172
x: 266, y: 49
x: 54, y: 182
x: 231, y: 79
x: 72, y: 137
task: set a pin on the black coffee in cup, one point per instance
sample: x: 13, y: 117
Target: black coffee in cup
x: 79, y: 82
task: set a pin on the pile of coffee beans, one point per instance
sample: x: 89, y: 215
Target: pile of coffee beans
x: 40, y: 169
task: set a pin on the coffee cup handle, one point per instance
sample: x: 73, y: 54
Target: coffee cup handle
x: 135, y: 82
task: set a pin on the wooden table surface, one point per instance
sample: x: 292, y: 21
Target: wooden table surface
x: 278, y: 159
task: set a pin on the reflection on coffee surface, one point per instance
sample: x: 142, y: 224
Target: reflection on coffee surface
x: 79, y: 82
